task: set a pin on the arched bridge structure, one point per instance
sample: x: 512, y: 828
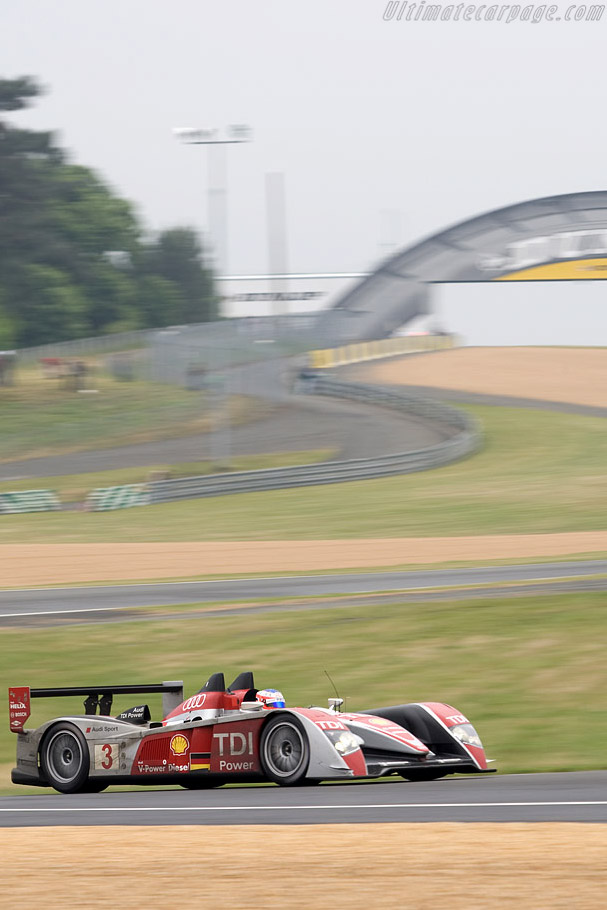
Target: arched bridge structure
x: 557, y: 238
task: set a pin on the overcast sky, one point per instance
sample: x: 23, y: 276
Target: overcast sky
x: 432, y: 121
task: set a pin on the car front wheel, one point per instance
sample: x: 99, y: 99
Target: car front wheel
x: 285, y: 751
x: 423, y: 775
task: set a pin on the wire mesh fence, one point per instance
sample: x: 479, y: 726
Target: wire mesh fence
x: 178, y: 355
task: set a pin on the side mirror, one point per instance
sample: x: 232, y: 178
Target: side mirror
x: 251, y: 706
x: 335, y: 703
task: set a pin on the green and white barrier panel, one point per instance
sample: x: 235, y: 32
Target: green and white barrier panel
x: 373, y: 350
x: 122, y: 497
x: 29, y: 501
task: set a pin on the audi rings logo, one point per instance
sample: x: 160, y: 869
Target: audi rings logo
x: 196, y: 701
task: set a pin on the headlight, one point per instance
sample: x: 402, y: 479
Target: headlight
x: 344, y: 741
x: 466, y: 734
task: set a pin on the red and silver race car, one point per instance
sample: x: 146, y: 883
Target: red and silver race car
x: 234, y: 734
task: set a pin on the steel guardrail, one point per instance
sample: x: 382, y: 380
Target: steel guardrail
x: 466, y: 440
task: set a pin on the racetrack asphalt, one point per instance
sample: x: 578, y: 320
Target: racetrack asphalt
x: 354, y: 430
x: 565, y: 797
x: 76, y: 604
x: 505, y: 401
x: 299, y: 423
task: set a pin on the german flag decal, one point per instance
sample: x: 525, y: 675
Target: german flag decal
x: 200, y: 761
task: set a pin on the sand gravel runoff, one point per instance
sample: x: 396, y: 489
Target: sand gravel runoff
x: 424, y: 866
x: 24, y: 565
x: 574, y: 375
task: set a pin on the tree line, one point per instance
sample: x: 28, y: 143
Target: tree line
x: 74, y: 258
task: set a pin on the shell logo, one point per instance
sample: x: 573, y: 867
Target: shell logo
x: 179, y: 744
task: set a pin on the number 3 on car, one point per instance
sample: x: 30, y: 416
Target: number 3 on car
x: 105, y: 756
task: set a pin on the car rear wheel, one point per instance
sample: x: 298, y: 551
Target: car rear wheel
x: 94, y: 786
x: 285, y: 751
x: 64, y: 758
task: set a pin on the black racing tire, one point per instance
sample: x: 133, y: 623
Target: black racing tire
x: 64, y: 758
x: 94, y: 786
x: 285, y: 751
x: 200, y: 783
x: 423, y: 775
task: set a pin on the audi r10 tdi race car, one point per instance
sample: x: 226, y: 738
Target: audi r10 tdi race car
x: 234, y: 734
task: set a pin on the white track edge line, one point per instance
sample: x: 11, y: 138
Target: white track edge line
x: 309, y: 808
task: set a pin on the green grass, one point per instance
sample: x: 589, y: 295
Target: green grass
x: 538, y: 472
x: 74, y: 487
x: 42, y: 417
x: 528, y: 671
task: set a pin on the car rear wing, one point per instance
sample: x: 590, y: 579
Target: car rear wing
x: 96, y: 697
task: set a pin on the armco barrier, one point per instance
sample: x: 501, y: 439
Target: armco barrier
x: 29, y: 501
x: 465, y: 440
x: 396, y: 400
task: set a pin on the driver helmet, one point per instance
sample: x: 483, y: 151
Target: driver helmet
x: 271, y: 698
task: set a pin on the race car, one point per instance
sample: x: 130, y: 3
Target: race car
x: 233, y: 734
